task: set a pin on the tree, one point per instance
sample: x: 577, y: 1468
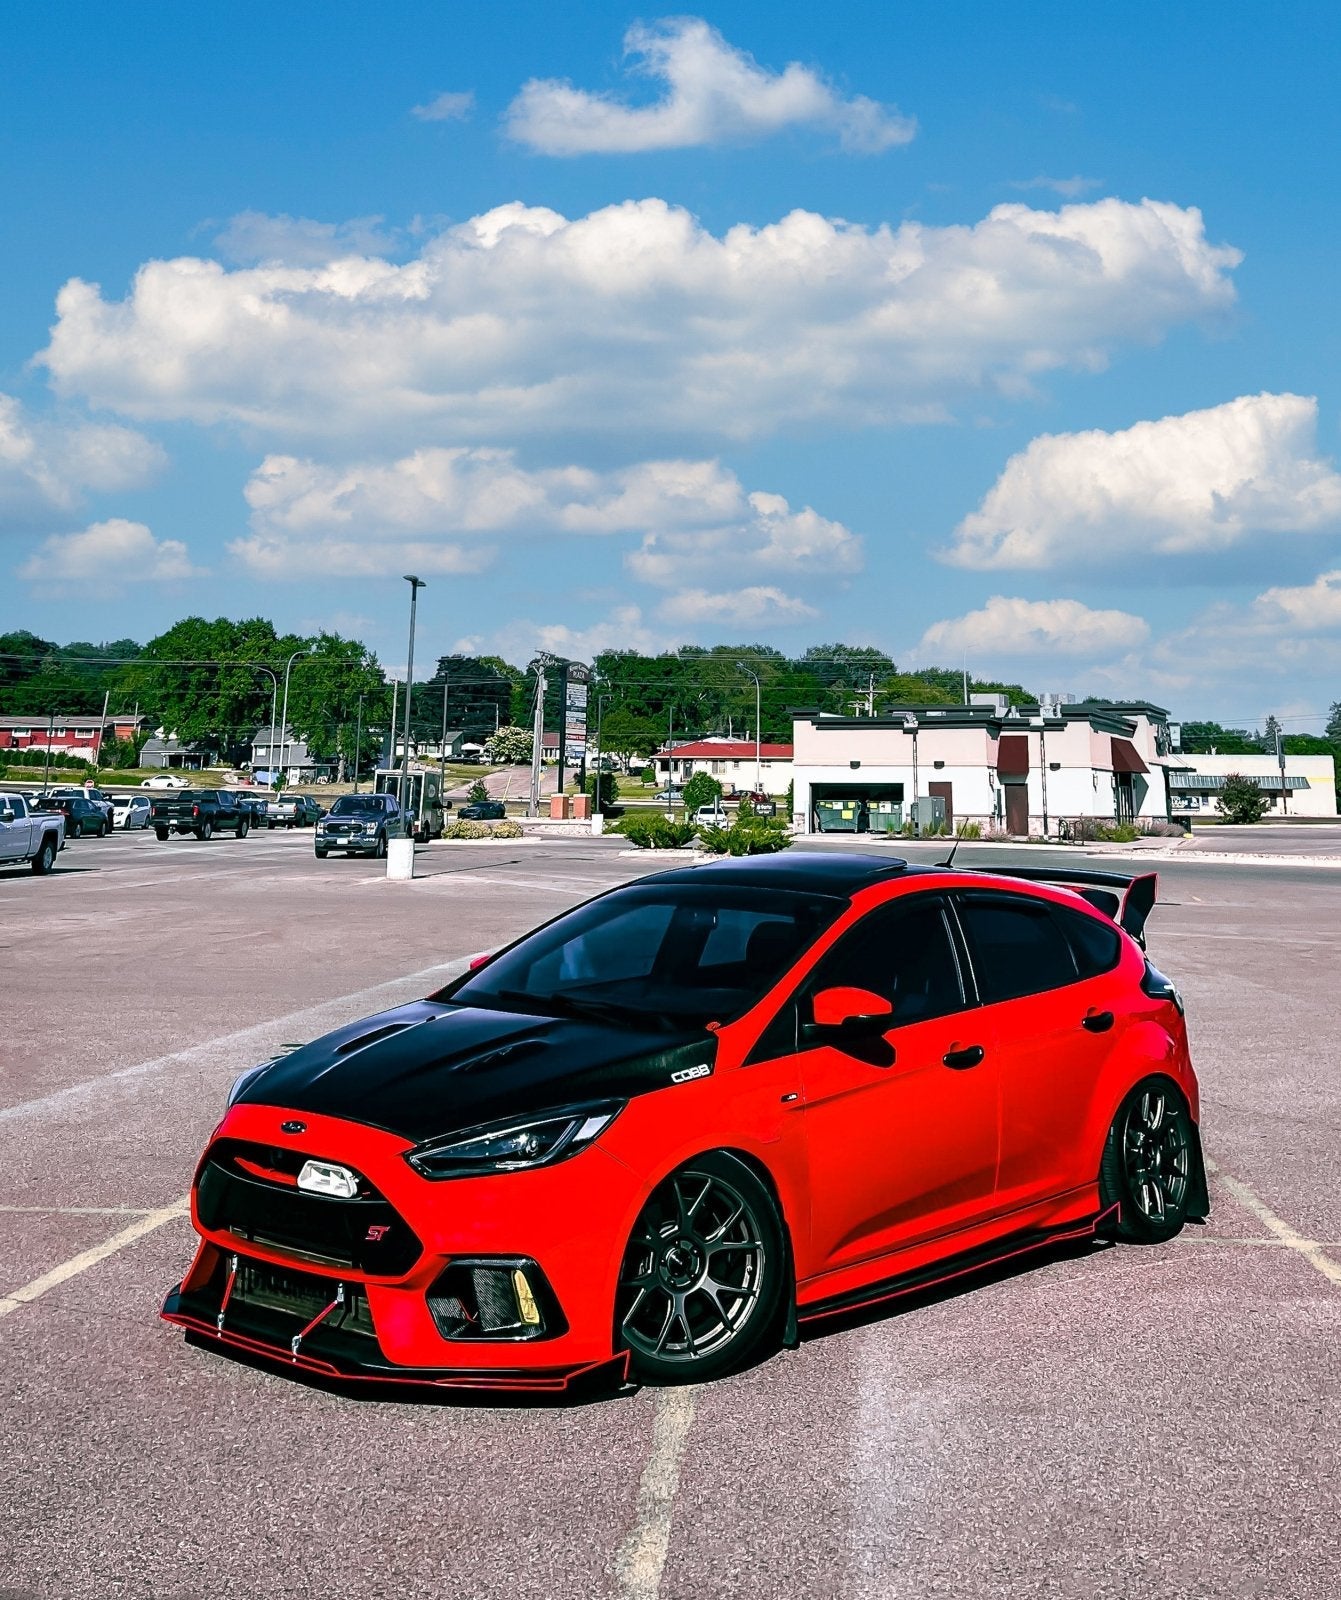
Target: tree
x: 1269, y: 735
x: 324, y: 690
x: 1200, y: 737
x: 623, y: 734
x: 479, y: 696
x: 510, y: 746
x: 211, y: 685
x: 478, y: 792
x: 1333, y: 729
x: 1240, y: 800
x: 701, y: 790
x: 604, y: 789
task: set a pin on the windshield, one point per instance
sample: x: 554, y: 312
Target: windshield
x: 356, y: 805
x: 674, y: 954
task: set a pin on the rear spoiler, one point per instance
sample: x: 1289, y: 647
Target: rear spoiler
x: 1127, y: 899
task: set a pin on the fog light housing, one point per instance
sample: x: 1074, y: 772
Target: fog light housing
x: 505, y: 1299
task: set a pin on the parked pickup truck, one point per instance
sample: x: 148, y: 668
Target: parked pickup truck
x: 202, y: 812
x: 28, y: 835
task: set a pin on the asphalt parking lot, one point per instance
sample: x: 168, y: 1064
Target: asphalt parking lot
x: 1111, y: 1422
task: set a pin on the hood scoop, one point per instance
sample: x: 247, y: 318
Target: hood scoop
x: 508, y: 1054
x: 365, y: 1039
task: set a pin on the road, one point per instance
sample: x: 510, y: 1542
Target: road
x: 1117, y: 1422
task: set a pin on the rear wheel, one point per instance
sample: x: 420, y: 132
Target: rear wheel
x: 701, y: 1279
x: 205, y: 832
x: 45, y: 858
x: 161, y: 834
x: 1147, y: 1166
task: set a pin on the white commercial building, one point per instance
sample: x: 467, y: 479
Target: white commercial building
x: 1310, y: 783
x: 735, y: 763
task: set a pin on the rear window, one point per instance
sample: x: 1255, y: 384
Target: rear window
x: 1095, y: 945
x: 1017, y: 946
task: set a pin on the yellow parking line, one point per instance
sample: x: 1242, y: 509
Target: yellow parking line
x: 90, y: 1258
x: 1310, y: 1249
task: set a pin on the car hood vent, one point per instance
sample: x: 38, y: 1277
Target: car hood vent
x: 365, y: 1039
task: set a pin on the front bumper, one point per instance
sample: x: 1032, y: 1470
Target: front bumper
x: 361, y: 1311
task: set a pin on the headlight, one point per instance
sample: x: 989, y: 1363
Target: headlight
x: 239, y: 1084
x: 515, y: 1146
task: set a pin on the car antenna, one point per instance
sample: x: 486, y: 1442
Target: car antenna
x: 950, y: 859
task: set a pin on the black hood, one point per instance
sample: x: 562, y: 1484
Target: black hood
x: 429, y: 1069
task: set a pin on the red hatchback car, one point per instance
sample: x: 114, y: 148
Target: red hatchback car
x: 663, y: 1132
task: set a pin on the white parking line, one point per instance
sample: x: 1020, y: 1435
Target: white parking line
x: 1310, y: 1249
x: 642, y: 1556
x: 90, y: 1258
x: 75, y: 1211
x: 293, y: 1020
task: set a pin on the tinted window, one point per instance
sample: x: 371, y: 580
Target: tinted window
x: 903, y: 953
x: 357, y: 805
x: 1094, y: 944
x: 678, y: 952
x: 1017, y: 946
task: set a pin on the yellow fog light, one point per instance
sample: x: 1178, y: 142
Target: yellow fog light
x: 527, y: 1309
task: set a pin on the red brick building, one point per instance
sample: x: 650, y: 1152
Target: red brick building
x: 75, y: 734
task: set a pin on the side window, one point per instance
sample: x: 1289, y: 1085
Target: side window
x: 1016, y: 945
x: 903, y: 953
x: 1095, y: 945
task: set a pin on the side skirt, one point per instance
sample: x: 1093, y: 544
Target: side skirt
x: 952, y: 1267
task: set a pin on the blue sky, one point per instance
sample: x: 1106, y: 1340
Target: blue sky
x: 970, y: 331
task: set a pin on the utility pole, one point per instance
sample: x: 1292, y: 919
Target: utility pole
x: 51, y: 734
x: 416, y: 584
x: 670, y: 759
x: 358, y: 744
x: 870, y: 696
x: 1043, y: 766
x: 1280, y: 762
x: 537, y: 739
x: 102, y: 726
x: 442, y: 747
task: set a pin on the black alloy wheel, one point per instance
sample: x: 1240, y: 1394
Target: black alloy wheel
x: 1147, y: 1166
x: 702, y: 1275
x: 45, y: 858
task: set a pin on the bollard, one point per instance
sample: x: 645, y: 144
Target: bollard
x: 400, y: 859
x: 597, y: 824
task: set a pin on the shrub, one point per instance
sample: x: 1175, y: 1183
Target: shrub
x: 478, y: 791
x: 701, y: 790
x: 507, y: 829
x: 651, y: 830
x: 747, y: 835
x: 608, y: 787
x: 649, y: 774
x: 39, y: 758
x: 1240, y: 800
x: 464, y: 828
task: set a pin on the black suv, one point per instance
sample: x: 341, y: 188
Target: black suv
x: 359, y: 824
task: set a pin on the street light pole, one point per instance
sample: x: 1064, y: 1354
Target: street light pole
x: 670, y: 760
x: 358, y: 744
x: 416, y: 584
x: 274, y: 706
x: 758, y: 717
x: 910, y: 726
x: 442, y: 747
x: 284, y: 716
x: 600, y: 753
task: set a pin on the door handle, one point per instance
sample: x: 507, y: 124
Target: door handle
x: 1097, y: 1021
x: 959, y: 1060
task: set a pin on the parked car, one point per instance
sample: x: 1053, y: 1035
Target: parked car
x: 656, y: 1135
x: 292, y: 811
x: 27, y: 834
x: 81, y: 816
x: 165, y: 780
x: 202, y: 812
x: 483, y: 811
x: 131, y: 811
x: 69, y: 791
x: 359, y: 824
x: 251, y: 802
x: 669, y: 794
x: 712, y: 816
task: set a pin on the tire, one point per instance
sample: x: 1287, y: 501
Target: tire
x: 161, y: 834
x: 45, y: 858
x: 379, y: 849
x: 320, y: 853
x: 242, y: 830
x: 104, y: 828
x: 680, y: 1321
x: 205, y: 832
x: 1151, y: 1163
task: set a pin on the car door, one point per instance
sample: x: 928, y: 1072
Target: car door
x: 16, y: 832
x: 902, y: 1131
x: 1055, y: 1010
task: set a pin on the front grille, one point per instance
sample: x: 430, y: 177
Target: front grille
x: 249, y: 1191
x: 295, y: 1294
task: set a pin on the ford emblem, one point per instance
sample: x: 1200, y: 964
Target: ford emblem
x: 293, y: 1127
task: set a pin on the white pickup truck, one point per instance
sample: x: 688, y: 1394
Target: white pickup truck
x: 28, y: 835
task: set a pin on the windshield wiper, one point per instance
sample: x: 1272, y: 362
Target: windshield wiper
x: 565, y: 1005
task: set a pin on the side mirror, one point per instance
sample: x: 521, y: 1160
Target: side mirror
x: 851, y: 1013
x: 7, y: 815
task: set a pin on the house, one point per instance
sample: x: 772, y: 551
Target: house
x: 73, y: 735
x: 736, y: 763
x: 1020, y: 769
x: 167, y: 750
x: 279, y: 750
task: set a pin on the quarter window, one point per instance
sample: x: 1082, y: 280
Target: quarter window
x: 1095, y: 945
x: 1016, y: 945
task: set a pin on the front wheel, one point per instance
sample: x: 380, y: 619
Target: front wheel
x: 45, y: 858
x: 703, y: 1273
x: 320, y: 853
x: 242, y: 830
x: 379, y: 853
x: 1148, y: 1163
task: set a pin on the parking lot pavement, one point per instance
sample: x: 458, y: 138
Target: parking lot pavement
x: 1267, y: 839
x: 1104, y: 1422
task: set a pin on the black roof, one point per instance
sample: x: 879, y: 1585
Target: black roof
x: 813, y: 871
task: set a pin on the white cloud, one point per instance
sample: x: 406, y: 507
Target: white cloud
x: 1012, y: 628
x: 622, y: 628
x: 694, y: 516
x: 636, y: 317
x: 757, y: 603
x: 1069, y: 188
x: 115, y: 551
x: 450, y: 107
x: 1194, y: 484
x: 253, y: 237
x: 47, y: 464
x: 1310, y: 608
x: 713, y: 94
